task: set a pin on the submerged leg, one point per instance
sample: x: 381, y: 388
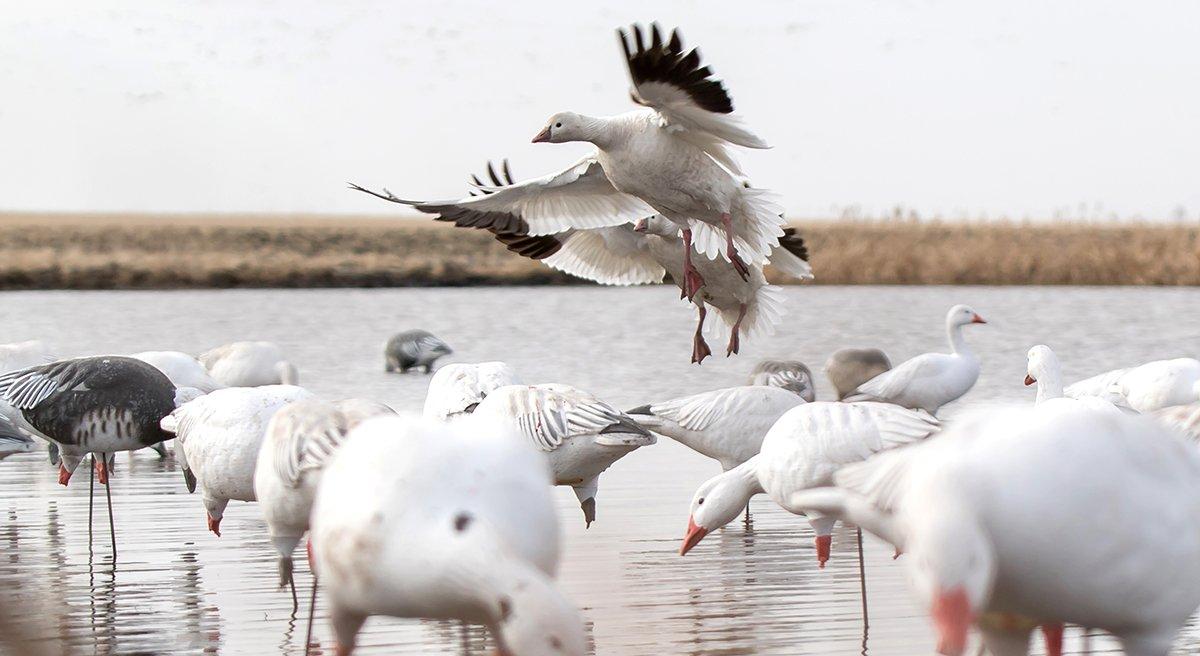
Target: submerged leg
x: 735, y: 341
x: 862, y: 579
x: 692, y: 282
x: 700, y: 348
x: 586, y: 493
x: 91, y: 497
x: 730, y: 250
x: 112, y: 526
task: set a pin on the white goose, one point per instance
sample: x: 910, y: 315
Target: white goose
x: 459, y: 387
x: 301, y: 438
x: 727, y: 425
x: 181, y: 368
x: 1042, y: 368
x: 988, y: 516
x: 671, y: 157
x: 1184, y: 418
x: 218, y: 438
x: 802, y: 450
x: 420, y: 518
x: 249, y: 364
x: 581, y: 435
x: 1149, y: 387
x: 929, y: 381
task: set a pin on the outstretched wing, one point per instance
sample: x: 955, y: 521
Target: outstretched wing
x: 579, y: 196
x: 610, y: 256
x: 684, y: 93
x: 26, y: 389
x: 550, y: 414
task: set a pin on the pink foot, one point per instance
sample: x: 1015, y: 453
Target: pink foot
x: 823, y: 544
x: 64, y: 476
x: 214, y: 525
x: 1053, y: 633
x: 102, y: 470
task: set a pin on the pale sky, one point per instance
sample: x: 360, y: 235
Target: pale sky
x: 959, y: 108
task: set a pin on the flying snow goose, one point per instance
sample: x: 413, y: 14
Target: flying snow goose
x: 804, y: 448
x: 790, y: 375
x: 249, y: 364
x: 459, y: 523
x: 413, y: 348
x: 98, y: 405
x: 1149, y: 387
x: 929, y: 381
x: 581, y: 435
x: 217, y: 440
x: 727, y: 425
x: 458, y: 388
x: 182, y: 369
x: 1042, y: 369
x: 671, y: 157
x: 301, y: 439
x: 848, y: 368
x: 988, y: 516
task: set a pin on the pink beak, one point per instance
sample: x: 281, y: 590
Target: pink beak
x: 542, y: 136
x: 694, y: 535
x: 974, y: 319
x: 1029, y: 380
x: 640, y: 226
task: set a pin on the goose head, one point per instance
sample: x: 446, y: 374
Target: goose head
x: 656, y: 224
x: 962, y: 315
x: 564, y: 127
x: 952, y: 566
x: 716, y: 503
x: 536, y: 619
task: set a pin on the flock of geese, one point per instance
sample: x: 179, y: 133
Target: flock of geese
x: 1083, y: 509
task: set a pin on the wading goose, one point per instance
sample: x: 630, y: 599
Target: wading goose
x: 249, y: 364
x: 929, y: 381
x: 671, y: 157
x: 182, y: 369
x: 98, y: 405
x: 988, y: 517
x: 458, y: 388
x: 413, y: 348
x: 421, y: 518
x: 217, y: 440
x: 790, y: 375
x: 13, y: 439
x: 727, y: 425
x: 1149, y: 387
x: 848, y: 368
x: 301, y: 439
x: 1042, y: 369
x: 581, y: 435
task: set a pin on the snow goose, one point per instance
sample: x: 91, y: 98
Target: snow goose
x: 727, y: 425
x: 803, y: 450
x: 458, y: 388
x: 300, y: 440
x: 848, y: 368
x: 217, y: 440
x: 1042, y: 369
x: 413, y: 348
x: 98, y: 405
x: 581, y: 435
x: 671, y: 157
x: 249, y: 364
x: 422, y: 518
x: 790, y: 375
x: 13, y: 439
x: 929, y: 381
x: 182, y: 369
x: 1149, y: 387
x: 988, y: 516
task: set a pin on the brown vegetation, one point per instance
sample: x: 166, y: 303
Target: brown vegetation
x: 103, y: 252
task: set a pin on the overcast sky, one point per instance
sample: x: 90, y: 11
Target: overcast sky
x: 1018, y: 108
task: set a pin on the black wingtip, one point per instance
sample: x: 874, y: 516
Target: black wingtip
x: 640, y: 410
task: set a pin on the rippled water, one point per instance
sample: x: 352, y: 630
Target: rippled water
x: 176, y: 588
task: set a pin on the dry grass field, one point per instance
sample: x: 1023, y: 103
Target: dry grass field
x: 148, y: 251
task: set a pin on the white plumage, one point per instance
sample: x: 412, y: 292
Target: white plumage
x: 458, y: 388
x: 181, y: 368
x: 1148, y: 387
x: 249, y: 364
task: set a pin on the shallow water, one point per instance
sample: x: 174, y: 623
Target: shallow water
x: 178, y: 589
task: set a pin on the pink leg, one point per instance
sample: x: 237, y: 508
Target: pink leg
x: 700, y: 348
x: 734, y: 341
x: 738, y: 264
x: 214, y: 525
x: 1053, y: 634
x: 692, y: 282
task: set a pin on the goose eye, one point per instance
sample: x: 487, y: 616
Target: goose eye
x: 558, y: 125
x: 700, y: 501
x: 555, y: 643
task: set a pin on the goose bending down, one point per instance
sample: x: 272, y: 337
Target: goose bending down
x: 802, y: 450
x: 1146, y: 388
x: 672, y: 157
x: 413, y: 348
x: 13, y: 439
x: 421, y: 518
x: 581, y: 435
x: 458, y: 388
x: 301, y: 439
x: 848, y: 368
x: 929, y: 381
x: 727, y: 425
x: 249, y: 364
x: 1042, y: 369
x: 182, y: 369
x: 98, y: 405
x: 988, y: 516
x: 790, y: 375
x: 218, y: 438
